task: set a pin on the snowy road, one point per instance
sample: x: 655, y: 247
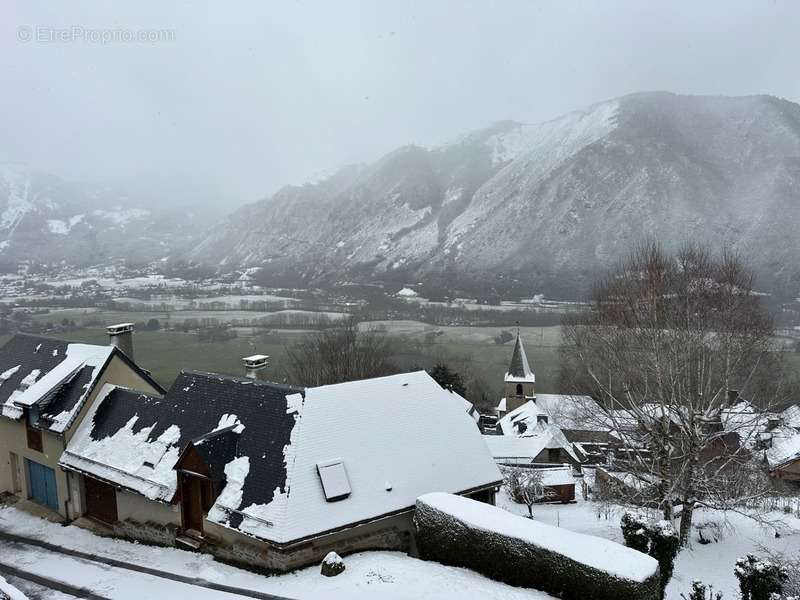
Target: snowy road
x: 36, y: 587
x: 56, y: 575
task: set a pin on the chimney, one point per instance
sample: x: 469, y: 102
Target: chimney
x: 733, y: 397
x: 121, y: 336
x: 255, y: 366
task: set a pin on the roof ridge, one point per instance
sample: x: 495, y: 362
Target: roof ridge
x: 240, y: 379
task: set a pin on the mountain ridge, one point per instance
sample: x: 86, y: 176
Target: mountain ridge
x: 543, y: 205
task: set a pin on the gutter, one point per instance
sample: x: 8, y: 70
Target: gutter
x: 115, y: 484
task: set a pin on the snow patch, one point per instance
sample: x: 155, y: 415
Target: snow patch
x: 230, y: 499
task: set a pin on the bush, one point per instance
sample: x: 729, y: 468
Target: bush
x: 759, y: 578
x: 664, y: 546
x: 518, y: 551
x: 700, y: 591
x: 660, y: 540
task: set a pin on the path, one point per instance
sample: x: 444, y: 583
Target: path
x: 93, y: 577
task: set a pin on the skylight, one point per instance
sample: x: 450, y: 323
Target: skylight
x: 334, y: 479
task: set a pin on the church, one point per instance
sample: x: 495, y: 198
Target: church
x: 573, y: 421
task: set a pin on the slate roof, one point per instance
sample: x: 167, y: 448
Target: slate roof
x: 398, y: 437
x: 127, y: 429
x: 519, y: 369
x: 54, y: 376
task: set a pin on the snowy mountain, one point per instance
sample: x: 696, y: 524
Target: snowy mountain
x: 541, y: 206
x: 46, y: 219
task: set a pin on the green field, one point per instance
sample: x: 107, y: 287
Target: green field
x: 471, y: 350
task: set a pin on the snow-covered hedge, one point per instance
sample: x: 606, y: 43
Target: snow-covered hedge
x: 458, y: 531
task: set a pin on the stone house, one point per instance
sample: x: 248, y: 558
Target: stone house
x: 274, y: 476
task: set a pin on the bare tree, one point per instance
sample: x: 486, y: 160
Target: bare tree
x: 342, y: 352
x: 667, y: 337
x: 525, y: 486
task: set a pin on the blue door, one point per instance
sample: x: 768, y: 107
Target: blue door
x: 43, y: 484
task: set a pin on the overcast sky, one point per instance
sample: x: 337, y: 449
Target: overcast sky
x: 240, y: 98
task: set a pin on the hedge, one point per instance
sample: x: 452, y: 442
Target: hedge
x: 462, y: 532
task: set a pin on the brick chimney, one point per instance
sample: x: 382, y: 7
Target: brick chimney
x: 255, y: 366
x: 121, y: 336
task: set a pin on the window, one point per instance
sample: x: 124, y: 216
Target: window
x: 541, y: 418
x: 34, y: 435
x: 519, y: 389
x: 334, y: 479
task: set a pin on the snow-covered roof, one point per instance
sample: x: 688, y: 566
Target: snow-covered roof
x: 745, y: 420
x: 52, y: 375
x: 468, y: 406
x: 134, y: 440
x: 396, y: 437
x: 519, y: 370
x: 791, y: 416
x: 784, y: 448
x: 540, y: 437
x: 579, y: 413
x: 557, y: 476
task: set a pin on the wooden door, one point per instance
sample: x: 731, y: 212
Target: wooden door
x: 16, y: 476
x: 192, y: 502
x: 42, y: 482
x: 101, y: 500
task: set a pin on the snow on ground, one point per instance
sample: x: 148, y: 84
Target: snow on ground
x: 368, y: 574
x: 711, y: 563
x: 10, y: 591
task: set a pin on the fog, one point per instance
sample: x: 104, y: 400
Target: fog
x: 229, y: 102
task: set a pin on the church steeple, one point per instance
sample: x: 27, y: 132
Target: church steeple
x: 519, y: 370
x: 519, y: 378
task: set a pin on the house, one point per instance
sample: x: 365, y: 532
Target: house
x: 560, y: 482
x: 781, y: 446
x: 543, y: 444
x: 274, y: 476
x: 518, y: 380
x: 47, y: 386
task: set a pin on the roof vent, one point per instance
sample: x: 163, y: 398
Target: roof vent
x: 254, y: 366
x: 334, y: 479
